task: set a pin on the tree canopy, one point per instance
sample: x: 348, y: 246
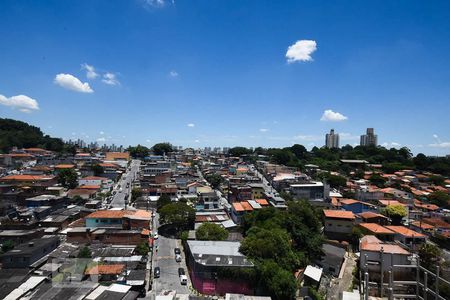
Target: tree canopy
x: 139, y: 151
x: 162, y: 201
x: 440, y: 198
x: 211, y: 232
x: 178, y: 214
x: 162, y: 148
x: 22, y: 135
x: 395, y: 212
x: 68, y: 178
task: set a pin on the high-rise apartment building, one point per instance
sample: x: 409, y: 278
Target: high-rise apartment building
x: 332, y: 139
x: 369, y: 139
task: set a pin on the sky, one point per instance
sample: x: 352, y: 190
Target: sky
x: 229, y: 73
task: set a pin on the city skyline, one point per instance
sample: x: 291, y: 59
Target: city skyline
x: 214, y: 74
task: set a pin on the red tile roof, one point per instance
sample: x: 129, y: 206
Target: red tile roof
x: 105, y: 270
x: 339, y: 214
x: 371, y: 243
x: 246, y: 206
x: 375, y: 228
x: 27, y: 177
x: 262, y: 202
x: 405, y: 231
x: 237, y: 206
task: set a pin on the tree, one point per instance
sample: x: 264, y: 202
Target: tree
x: 238, y: 151
x: 142, y: 248
x: 178, y: 214
x: 135, y: 194
x: 430, y: 256
x: 163, y: 200
x: 7, y: 245
x: 437, y: 179
x: 279, y: 283
x: 377, y: 180
x: 139, y: 151
x: 68, y: 178
x: 162, y: 148
x: 97, y: 169
x: 336, y: 181
x: 85, y: 252
x: 215, y: 180
x: 299, y: 151
x: 439, y: 198
x: 395, y: 212
x: 211, y: 232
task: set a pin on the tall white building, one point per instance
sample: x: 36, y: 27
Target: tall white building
x: 332, y: 139
x: 369, y: 139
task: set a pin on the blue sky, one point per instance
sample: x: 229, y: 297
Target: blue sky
x: 219, y: 73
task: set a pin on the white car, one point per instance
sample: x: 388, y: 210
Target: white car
x: 183, y: 279
x: 155, y: 236
x: 178, y: 258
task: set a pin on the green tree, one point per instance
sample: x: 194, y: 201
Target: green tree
x: 163, y: 200
x: 142, y: 248
x: 395, y: 212
x: 97, y: 169
x: 377, y: 180
x: 211, y: 232
x: 437, y: 179
x: 178, y: 214
x: 238, y: 151
x: 139, y: 151
x: 215, y: 180
x: 135, y: 194
x: 336, y: 181
x: 85, y: 252
x: 7, y: 245
x: 299, y: 151
x: 430, y: 256
x: 68, y: 178
x: 279, y: 283
x: 439, y: 198
x: 162, y: 148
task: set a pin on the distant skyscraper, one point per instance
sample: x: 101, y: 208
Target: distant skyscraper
x: 332, y: 139
x: 369, y: 139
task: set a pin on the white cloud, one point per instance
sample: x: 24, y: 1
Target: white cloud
x: 156, y: 3
x: 90, y: 71
x: 331, y: 116
x: 301, y: 51
x: 263, y: 129
x: 110, y: 79
x: 197, y: 141
x: 440, y: 145
x: 190, y: 125
x: 70, y: 82
x: 309, y: 138
x: 21, y: 102
x: 391, y: 145
x: 102, y: 139
x: 173, y: 74
x: 102, y: 132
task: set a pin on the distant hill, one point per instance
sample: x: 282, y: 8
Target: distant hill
x: 19, y: 134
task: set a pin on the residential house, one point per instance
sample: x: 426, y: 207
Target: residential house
x: 338, y: 224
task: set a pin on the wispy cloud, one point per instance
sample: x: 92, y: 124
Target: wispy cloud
x: 301, y: 51
x: 110, y: 79
x: 21, y: 102
x: 173, y: 74
x: 391, y: 145
x: 101, y: 139
x: 70, y: 82
x: 149, y: 4
x: 191, y: 125
x: 90, y: 71
x: 263, y: 129
x: 331, y: 116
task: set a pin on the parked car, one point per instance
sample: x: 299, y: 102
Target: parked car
x: 156, y: 272
x: 177, y: 251
x: 178, y: 258
x: 155, y: 236
x: 183, y: 279
x: 181, y: 271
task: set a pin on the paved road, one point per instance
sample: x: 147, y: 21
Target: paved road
x: 128, y: 177
x: 165, y: 259
x: 266, y: 184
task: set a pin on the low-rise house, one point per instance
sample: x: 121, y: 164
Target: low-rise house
x: 408, y: 237
x: 127, y: 219
x: 338, y: 224
x: 206, y: 259
x: 207, y: 199
x: 239, y: 209
x: 380, y: 257
x: 356, y: 206
x: 310, y: 191
x: 377, y: 230
x: 24, y: 255
x: 332, y: 259
x: 372, y: 217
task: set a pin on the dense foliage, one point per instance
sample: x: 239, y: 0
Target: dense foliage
x: 395, y: 212
x: 211, y: 232
x: 162, y: 148
x: 139, y: 151
x: 280, y: 242
x: 440, y: 198
x: 162, y: 201
x: 22, y: 135
x: 215, y: 180
x: 178, y: 214
x: 85, y: 252
x: 68, y: 178
x: 329, y: 159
